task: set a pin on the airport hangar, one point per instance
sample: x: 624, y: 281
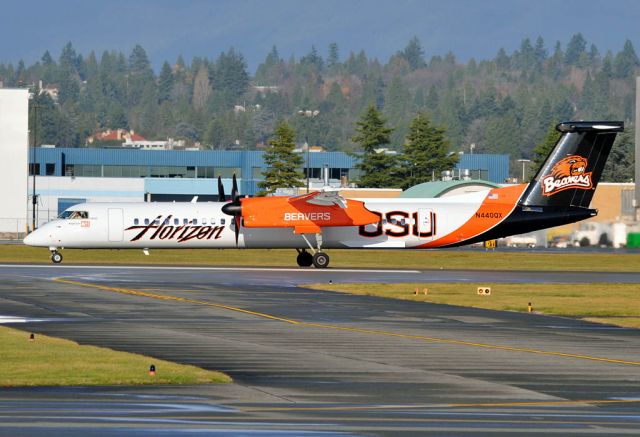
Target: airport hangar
x: 67, y: 176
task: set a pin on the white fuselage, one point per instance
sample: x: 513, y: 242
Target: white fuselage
x: 405, y: 223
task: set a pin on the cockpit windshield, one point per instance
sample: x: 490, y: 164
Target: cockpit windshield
x: 70, y: 215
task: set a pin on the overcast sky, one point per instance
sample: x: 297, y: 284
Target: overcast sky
x: 206, y: 28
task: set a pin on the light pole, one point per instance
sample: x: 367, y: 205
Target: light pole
x: 310, y: 115
x: 523, y: 161
x: 34, y: 197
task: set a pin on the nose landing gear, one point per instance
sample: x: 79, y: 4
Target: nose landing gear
x: 56, y: 257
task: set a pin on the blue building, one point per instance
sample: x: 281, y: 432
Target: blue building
x: 190, y: 172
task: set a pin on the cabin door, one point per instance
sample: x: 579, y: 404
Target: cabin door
x: 426, y: 224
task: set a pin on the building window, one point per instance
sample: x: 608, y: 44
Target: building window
x: 338, y: 173
x: 34, y: 168
x: 50, y: 169
x: 214, y: 172
x: 87, y: 170
x: 314, y: 173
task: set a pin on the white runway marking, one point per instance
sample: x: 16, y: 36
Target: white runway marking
x: 234, y: 269
x: 11, y: 319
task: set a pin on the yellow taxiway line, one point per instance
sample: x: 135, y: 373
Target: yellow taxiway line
x: 348, y: 329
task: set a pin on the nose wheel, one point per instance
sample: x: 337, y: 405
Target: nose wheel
x: 56, y: 257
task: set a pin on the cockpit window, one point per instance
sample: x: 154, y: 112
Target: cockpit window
x: 71, y: 215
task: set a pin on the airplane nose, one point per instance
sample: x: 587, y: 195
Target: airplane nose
x: 36, y: 238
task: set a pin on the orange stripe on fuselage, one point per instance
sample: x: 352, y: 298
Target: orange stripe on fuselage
x: 495, y: 207
x: 280, y: 212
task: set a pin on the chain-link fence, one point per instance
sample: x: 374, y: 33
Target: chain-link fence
x: 16, y: 228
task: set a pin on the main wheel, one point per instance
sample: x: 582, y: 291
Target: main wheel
x: 304, y: 259
x: 320, y: 260
x: 56, y: 257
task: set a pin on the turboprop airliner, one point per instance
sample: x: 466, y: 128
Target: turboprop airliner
x: 560, y: 193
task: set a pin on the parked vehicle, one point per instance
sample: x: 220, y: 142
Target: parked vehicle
x: 600, y: 234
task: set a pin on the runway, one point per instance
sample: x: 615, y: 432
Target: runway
x: 309, y: 362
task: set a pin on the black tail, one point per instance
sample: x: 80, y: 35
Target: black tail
x: 571, y: 172
x: 562, y: 189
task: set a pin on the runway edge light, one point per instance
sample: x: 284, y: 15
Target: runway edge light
x: 152, y: 370
x: 484, y: 291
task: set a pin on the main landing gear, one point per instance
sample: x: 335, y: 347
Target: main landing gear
x: 56, y: 257
x: 319, y: 259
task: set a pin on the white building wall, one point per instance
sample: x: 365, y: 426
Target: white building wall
x: 14, y: 142
x: 51, y: 189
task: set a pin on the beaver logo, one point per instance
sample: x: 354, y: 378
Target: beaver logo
x: 567, y: 173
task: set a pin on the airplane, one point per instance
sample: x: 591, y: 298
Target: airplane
x: 559, y: 193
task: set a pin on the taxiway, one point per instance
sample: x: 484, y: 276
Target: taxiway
x: 309, y: 362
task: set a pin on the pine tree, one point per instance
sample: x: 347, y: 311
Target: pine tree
x: 626, y: 61
x: 165, y: 83
x: 413, y: 53
x: 425, y: 152
x: 576, y: 47
x: 621, y: 163
x: 334, y: 56
x: 544, y: 148
x: 378, y: 169
x: 283, y: 163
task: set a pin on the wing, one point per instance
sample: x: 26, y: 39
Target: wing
x: 322, y: 198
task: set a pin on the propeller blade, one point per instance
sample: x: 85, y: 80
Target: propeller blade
x: 221, y: 196
x: 237, y: 227
x: 234, y: 188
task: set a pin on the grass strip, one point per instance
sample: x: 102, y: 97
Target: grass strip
x: 404, y: 259
x: 617, y: 304
x: 49, y: 361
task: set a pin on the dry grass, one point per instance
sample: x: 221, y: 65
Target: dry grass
x: 49, y: 361
x: 618, y: 304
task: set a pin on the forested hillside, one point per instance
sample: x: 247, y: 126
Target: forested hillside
x: 502, y: 105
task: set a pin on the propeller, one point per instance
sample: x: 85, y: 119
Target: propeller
x: 221, y: 196
x: 234, y: 208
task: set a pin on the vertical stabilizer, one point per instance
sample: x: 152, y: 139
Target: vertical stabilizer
x: 571, y: 172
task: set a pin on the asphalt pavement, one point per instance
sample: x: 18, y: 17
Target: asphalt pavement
x: 308, y: 362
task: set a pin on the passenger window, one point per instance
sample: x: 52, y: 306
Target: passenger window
x: 146, y: 221
x: 204, y: 221
x: 166, y: 221
x: 213, y: 221
x: 195, y: 221
x: 222, y: 221
x: 156, y: 222
x: 136, y: 221
x: 185, y: 221
x: 176, y: 221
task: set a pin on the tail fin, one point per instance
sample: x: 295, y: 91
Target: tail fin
x: 571, y: 172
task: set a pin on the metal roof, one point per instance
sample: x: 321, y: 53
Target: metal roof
x: 439, y: 188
